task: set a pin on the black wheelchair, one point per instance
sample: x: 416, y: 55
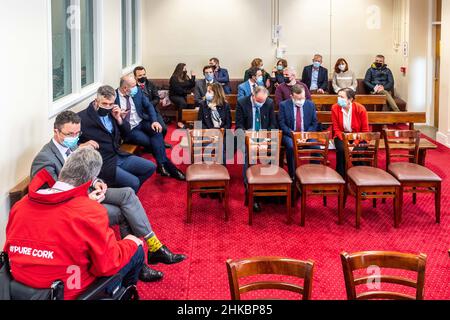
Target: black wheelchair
x: 13, y: 290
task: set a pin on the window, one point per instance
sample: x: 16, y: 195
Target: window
x: 75, y: 45
x: 130, y: 33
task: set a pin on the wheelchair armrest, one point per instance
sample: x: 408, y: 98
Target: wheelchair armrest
x: 97, y: 290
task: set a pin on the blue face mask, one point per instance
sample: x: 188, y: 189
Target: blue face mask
x: 316, y: 64
x: 209, y: 97
x: 260, y: 81
x: 71, y: 142
x: 209, y: 77
x: 133, y: 91
x: 342, y: 102
x: 280, y: 68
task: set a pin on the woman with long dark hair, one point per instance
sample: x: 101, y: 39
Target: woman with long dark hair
x: 180, y: 86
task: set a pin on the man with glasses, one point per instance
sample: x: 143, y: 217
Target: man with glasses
x: 123, y: 206
x: 201, y: 85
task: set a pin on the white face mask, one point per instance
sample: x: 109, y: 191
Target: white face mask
x: 342, y: 67
x: 300, y: 102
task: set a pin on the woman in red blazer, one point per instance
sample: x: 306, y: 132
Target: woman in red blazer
x: 347, y: 116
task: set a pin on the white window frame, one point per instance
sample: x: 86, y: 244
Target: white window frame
x: 129, y: 31
x: 78, y: 94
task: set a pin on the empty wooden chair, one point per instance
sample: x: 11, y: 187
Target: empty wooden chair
x: 316, y: 179
x: 365, y: 180
x: 265, y: 177
x: 380, y: 259
x: 270, y: 266
x: 206, y: 174
x: 413, y: 177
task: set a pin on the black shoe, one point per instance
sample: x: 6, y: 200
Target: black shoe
x: 149, y: 275
x: 164, y: 255
x: 257, y: 207
x: 203, y: 195
x: 163, y: 171
x: 168, y: 145
x: 177, y: 174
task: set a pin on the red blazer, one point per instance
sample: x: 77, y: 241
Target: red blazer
x: 360, y: 120
x: 63, y: 236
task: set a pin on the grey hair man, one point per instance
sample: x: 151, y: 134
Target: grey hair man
x: 123, y: 206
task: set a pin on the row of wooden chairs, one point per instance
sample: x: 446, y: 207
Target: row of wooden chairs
x: 363, y: 180
x: 373, y: 262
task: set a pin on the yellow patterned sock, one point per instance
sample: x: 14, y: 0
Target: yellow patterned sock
x: 154, y: 244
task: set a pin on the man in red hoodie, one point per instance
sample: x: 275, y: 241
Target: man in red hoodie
x: 62, y: 233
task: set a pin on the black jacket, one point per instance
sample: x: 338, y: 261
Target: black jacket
x: 322, y: 81
x: 180, y: 88
x: 93, y: 129
x: 381, y: 76
x: 244, y: 115
x: 205, y: 116
x: 151, y: 91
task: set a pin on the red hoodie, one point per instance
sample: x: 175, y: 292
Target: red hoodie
x: 62, y: 236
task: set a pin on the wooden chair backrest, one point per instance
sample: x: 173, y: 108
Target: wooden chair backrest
x: 263, y: 147
x: 402, y: 144
x: 304, y: 141
x: 270, y: 266
x: 206, y: 145
x: 361, y: 147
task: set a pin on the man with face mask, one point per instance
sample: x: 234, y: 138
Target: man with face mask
x: 145, y: 128
x: 104, y: 122
x: 221, y: 75
x: 255, y: 113
x: 315, y: 76
x: 151, y: 92
x: 284, y: 90
x: 296, y: 115
x: 255, y: 79
x: 201, y: 85
x: 379, y: 80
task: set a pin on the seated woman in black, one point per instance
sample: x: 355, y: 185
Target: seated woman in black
x: 180, y: 86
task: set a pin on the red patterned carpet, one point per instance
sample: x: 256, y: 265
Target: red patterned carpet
x: 209, y: 241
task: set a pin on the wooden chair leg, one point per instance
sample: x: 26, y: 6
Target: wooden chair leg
x: 250, y: 205
x: 289, y: 204
x: 345, y: 194
x: 400, y: 205
x: 437, y: 200
x: 374, y: 202
x: 226, y: 196
x: 358, y: 208
x: 189, y: 204
x: 341, y: 205
x: 303, y: 207
x: 325, y: 201
x: 246, y: 197
x: 396, y: 208
x: 414, y: 196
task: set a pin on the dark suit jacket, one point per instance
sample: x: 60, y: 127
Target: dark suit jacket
x: 322, y: 82
x: 223, y: 78
x: 144, y: 108
x: 205, y: 116
x: 92, y: 129
x: 244, y: 115
x: 286, y: 117
x: 200, y: 91
x: 48, y: 158
x: 151, y: 91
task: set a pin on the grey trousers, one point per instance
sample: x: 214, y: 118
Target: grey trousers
x: 125, y: 209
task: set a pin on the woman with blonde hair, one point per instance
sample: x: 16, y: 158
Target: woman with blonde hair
x: 258, y: 63
x: 215, y: 111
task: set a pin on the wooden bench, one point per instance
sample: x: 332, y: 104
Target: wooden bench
x: 18, y: 192
x: 130, y: 148
x: 320, y: 100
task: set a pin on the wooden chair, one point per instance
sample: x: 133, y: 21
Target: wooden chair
x: 270, y: 266
x: 207, y: 174
x: 413, y: 177
x: 316, y: 179
x: 368, y: 181
x: 265, y: 177
x: 380, y: 259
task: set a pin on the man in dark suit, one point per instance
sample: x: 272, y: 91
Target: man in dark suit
x: 201, y: 85
x: 315, y: 76
x: 221, y: 75
x: 151, y: 91
x: 123, y: 206
x: 145, y: 130
x: 103, y: 122
x: 296, y: 115
x: 255, y: 113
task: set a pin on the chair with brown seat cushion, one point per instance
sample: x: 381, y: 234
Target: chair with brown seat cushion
x: 316, y: 179
x: 265, y: 176
x: 366, y: 181
x: 414, y: 178
x: 372, y: 264
x: 270, y: 266
x: 206, y: 174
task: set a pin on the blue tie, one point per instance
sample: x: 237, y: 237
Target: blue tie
x: 257, y: 119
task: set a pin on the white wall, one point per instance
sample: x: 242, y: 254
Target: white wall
x: 24, y: 107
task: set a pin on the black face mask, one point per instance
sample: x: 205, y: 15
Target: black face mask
x: 142, y: 80
x: 102, y: 112
x: 378, y: 65
x: 287, y: 80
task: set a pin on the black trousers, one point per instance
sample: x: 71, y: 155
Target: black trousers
x: 181, y: 103
x: 340, y: 157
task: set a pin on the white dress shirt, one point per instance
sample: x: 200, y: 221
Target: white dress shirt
x: 135, y: 119
x: 347, y: 116
x: 63, y: 150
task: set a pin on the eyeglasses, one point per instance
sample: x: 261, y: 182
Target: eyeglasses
x: 72, y: 135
